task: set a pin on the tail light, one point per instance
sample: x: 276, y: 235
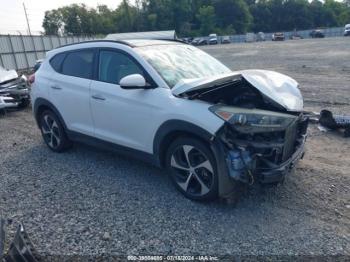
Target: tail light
x: 31, y: 79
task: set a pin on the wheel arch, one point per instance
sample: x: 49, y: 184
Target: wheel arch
x: 171, y: 130
x: 42, y: 104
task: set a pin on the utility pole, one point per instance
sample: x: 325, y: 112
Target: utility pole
x: 25, y: 12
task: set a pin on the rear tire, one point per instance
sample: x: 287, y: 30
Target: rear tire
x: 53, y: 132
x: 192, y: 168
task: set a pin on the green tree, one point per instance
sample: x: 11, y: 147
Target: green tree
x: 233, y: 13
x: 206, y: 18
x: 52, y: 22
x: 194, y: 17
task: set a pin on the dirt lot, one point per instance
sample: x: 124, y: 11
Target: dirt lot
x: 88, y: 201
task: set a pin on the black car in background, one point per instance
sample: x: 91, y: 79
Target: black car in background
x: 199, y: 41
x: 317, y: 33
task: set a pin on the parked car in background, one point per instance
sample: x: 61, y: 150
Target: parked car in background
x: 175, y: 106
x: 199, y: 41
x: 347, y: 30
x: 260, y: 37
x: 317, y: 33
x: 295, y: 36
x: 187, y: 40
x: 226, y: 40
x: 14, y: 89
x: 250, y: 37
x: 213, y: 39
x: 279, y: 36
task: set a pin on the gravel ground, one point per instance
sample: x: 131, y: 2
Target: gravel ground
x: 89, y: 201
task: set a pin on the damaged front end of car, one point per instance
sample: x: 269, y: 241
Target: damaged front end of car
x: 264, y: 129
x: 261, y: 145
x: 14, y: 90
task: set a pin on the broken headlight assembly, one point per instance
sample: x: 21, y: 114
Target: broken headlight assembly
x: 253, y: 120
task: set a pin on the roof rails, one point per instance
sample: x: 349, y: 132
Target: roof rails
x: 119, y: 42
x: 96, y: 41
x: 173, y: 40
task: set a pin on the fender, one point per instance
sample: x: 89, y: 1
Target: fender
x: 226, y: 185
x: 172, y: 126
x: 43, y: 102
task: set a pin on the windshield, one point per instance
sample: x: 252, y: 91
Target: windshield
x: 177, y: 62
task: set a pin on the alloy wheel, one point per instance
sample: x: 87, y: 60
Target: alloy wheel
x: 193, y: 171
x: 50, y: 130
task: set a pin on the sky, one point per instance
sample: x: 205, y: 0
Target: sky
x: 12, y: 18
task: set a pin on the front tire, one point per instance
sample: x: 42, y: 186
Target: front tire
x: 192, y: 168
x: 53, y: 132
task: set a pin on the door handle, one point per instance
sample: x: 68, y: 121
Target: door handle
x: 56, y: 87
x: 98, y: 97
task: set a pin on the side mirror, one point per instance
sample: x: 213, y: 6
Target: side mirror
x: 135, y: 81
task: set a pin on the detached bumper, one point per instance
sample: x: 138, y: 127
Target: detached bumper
x: 278, y: 173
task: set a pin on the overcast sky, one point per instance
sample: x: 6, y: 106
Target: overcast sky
x: 12, y: 18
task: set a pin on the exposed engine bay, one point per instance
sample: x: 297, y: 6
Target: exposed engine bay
x: 263, y: 139
x: 238, y: 92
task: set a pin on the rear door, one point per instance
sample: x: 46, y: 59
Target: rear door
x: 70, y: 89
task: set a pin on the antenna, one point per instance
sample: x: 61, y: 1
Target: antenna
x: 25, y: 12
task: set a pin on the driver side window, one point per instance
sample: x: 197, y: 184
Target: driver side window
x: 113, y: 66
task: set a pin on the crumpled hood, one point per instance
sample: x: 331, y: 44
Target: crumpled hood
x: 6, y: 75
x: 278, y: 87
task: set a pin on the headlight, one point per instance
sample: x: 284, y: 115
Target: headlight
x: 253, y: 120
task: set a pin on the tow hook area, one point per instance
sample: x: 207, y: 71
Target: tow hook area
x: 21, y: 248
x: 240, y: 164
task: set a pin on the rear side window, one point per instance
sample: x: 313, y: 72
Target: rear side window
x: 79, y: 64
x: 55, y: 62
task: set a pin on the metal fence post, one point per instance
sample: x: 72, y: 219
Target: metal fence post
x: 51, y: 41
x: 13, y: 52
x: 2, y: 62
x: 36, y: 54
x: 24, y: 51
x: 42, y: 41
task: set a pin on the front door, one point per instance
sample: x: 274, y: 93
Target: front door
x: 121, y: 116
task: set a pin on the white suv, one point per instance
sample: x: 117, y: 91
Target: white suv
x: 175, y: 106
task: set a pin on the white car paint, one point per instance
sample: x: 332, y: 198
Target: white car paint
x: 6, y: 75
x: 133, y: 80
x: 346, y: 29
x: 6, y: 102
x: 280, y: 88
x: 131, y: 118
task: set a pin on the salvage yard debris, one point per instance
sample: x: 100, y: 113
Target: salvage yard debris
x: 21, y: 248
x: 328, y: 121
x: 14, y: 89
x: 334, y: 122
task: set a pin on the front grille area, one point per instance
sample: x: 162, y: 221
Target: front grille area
x: 289, y: 141
x: 270, y: 149
x: 293, y: 134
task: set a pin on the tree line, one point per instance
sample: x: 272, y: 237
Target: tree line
x: 197, y: 17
